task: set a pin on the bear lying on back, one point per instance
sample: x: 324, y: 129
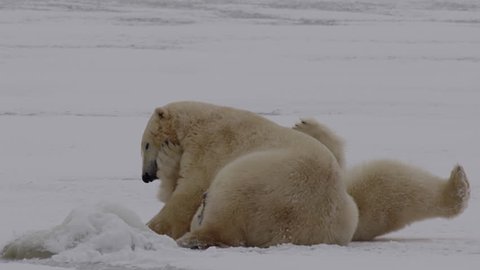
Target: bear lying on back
x: 390, y: 194
x: 267, y: 184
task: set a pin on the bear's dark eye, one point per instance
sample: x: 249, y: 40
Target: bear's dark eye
x: 146, y: 146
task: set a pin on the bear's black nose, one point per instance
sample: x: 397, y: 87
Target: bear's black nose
x: 147, y: 178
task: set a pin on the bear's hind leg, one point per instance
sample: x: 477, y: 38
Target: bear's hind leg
x: 457, y: 192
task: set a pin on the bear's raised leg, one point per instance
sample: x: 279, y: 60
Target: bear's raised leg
x: 391, y: 195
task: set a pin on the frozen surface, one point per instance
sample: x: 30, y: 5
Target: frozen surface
x: 78, y: 80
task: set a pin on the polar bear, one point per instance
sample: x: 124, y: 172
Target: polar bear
x: 266, y: 184
x: 390, y: 194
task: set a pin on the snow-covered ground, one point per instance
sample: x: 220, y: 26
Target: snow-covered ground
x: 78, y: 80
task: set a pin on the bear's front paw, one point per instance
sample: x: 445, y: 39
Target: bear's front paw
x: 162, y: 228
x: 170, y: 228
x: 191, y: 241
x: 196, y: 240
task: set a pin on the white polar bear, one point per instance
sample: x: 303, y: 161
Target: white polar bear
x: 390, y: 194
x: 266, y: 184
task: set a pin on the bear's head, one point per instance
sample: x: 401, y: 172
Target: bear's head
x: 159, y: 130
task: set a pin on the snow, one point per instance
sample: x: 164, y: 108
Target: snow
x: 78, y: 80
x: 89, y: 232
x: 106, y: 235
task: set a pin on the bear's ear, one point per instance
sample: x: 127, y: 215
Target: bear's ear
x: 161, y: 112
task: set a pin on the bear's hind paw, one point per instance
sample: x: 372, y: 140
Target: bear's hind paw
x: 458, y: 190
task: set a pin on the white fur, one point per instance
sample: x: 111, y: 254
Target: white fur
x: 390, y: 194
x: 266, y: 184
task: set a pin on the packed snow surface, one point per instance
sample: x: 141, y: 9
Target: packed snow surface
x: 79, y: 79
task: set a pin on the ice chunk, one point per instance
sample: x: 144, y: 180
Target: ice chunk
x: 88, y: 232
